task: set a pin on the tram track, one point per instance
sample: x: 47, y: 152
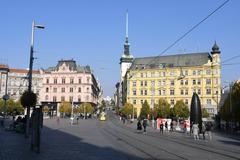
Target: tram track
x: 192, y: 145
x: 127, y: 139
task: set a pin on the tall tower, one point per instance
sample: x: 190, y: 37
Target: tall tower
x: 127, y: 58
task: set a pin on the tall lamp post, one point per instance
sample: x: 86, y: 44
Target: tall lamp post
x: 30, y: 72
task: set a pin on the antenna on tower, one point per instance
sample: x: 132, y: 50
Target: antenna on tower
x: 127, y: 24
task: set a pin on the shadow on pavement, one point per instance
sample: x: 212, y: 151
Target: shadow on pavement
x: 230, y: 142
x: 56, y: 145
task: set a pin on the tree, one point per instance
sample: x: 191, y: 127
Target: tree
x: 18, y: 108
x: 181, y: 110
x: 205, y: 114
x: 127, y: 109
x: 162, y: 109
x: 87, y: 106
x: 45, y: 109
x: 112, y: 102
x: 65, y: 108
x: 28, y: 99
x: 145, y: 111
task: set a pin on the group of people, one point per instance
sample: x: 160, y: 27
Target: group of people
x: 205, y: 129
x: 144, y: 125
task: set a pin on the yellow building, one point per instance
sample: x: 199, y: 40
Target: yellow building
x: 174, y: 77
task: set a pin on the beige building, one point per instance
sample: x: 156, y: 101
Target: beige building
x: 175, y: 77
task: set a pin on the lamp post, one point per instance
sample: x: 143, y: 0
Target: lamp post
x: 30, y: 72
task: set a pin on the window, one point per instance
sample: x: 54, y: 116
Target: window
x: 159, y: 83
x: 186, y: 91
x: 55, y: 90
x: 186, y: 73
x: 172, y: 101
x: 134, y: 84
x: 152, y: 74
x: 172, y: 82
x: 199, y: 82
x: 199, y: 92
x: 186, y: 101
x: 171, y: 73
x: 141, y: 83
x: 209, y: 101
x: 134, y: 92
x: 145, y: 83
x: 88, y: 79
x: 47, y: 90
x: 134, y: 101
x: 62, y: 99
x: 216, y: 81
x: 163, y: 92
x: 186, y: 82
x: 79, y: 89
x: 164, y: 74
x: 46, y: 97
x: 208, y: 81
x: 71, y: 81
x: 71, y: 89
x: 181, y: 82
x: 182, y: 92
x: 70, y: 98
x: 87, y: 89
x: 163, y: 82
x: 79, y: 80
x: 153, y: 92
x: 141, y: 92
x: 63, y: 80
x: 141, y: 75
x: 208, y: 91
x: 141, y: 101
x: 152, y: 83
x: 208, y: 72
x: 159, y: 92
x: 63, y: 90
x: 87, y: 98
x: 172, y: 92
x: 54, y: 99
x: 145, y: 92
x: 55, y: 81
x: 47, y: 81
x: 194, y: 82
x: 199, y: 72
x: 79, y: 99
x: 194, y: 72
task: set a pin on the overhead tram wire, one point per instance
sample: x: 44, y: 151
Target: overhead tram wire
x: 189, y: 31
x: 229, y: 59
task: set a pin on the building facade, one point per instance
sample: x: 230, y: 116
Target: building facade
x: 68, y: 82
x: 175, y: 77
x: 17, y: 82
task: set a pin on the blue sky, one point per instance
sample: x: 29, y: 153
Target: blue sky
x: 93, y: 31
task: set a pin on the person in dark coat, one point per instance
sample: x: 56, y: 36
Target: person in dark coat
x: 139, y: 125
x: 144, y: 125
x: 161, y: 128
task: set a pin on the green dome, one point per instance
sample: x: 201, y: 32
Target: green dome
x: 215, y: 47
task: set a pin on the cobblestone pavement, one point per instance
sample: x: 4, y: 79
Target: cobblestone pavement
x: 94, y: 140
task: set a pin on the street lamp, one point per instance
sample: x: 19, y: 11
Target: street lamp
x: 30, y: 71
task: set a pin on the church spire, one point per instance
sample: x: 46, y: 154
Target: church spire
x: 126, y: 44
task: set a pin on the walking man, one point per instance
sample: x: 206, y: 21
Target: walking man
x: 195, y: 130
x: 144, y: 125
x: 161, y: 128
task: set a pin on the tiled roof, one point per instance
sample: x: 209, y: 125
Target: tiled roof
x: 177, y: 60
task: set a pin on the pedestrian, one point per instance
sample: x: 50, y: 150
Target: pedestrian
x: 171, y: 125
x: 77, y: 119
x: 208, y: 130
x: 203, y: 130
x: 58, y: 120
x: 195, y: 130
x: 144, y: 125
x: 166, y: 126
x: 185, y: 127
x: 139, y: 126
x: 161, y: 128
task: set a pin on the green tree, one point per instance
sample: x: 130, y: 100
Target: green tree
x: 127, y: 109
x: 236, y: 102
x: 18, y: 108
x: 162, y: 109
x: 45, y: 109
x: 205, y: 114
x: 181, y: 110
x: 88, y: 108
x: 145, y: 111
x: 65, y: 108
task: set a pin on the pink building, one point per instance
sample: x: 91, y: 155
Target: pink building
x: 68, y: 82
